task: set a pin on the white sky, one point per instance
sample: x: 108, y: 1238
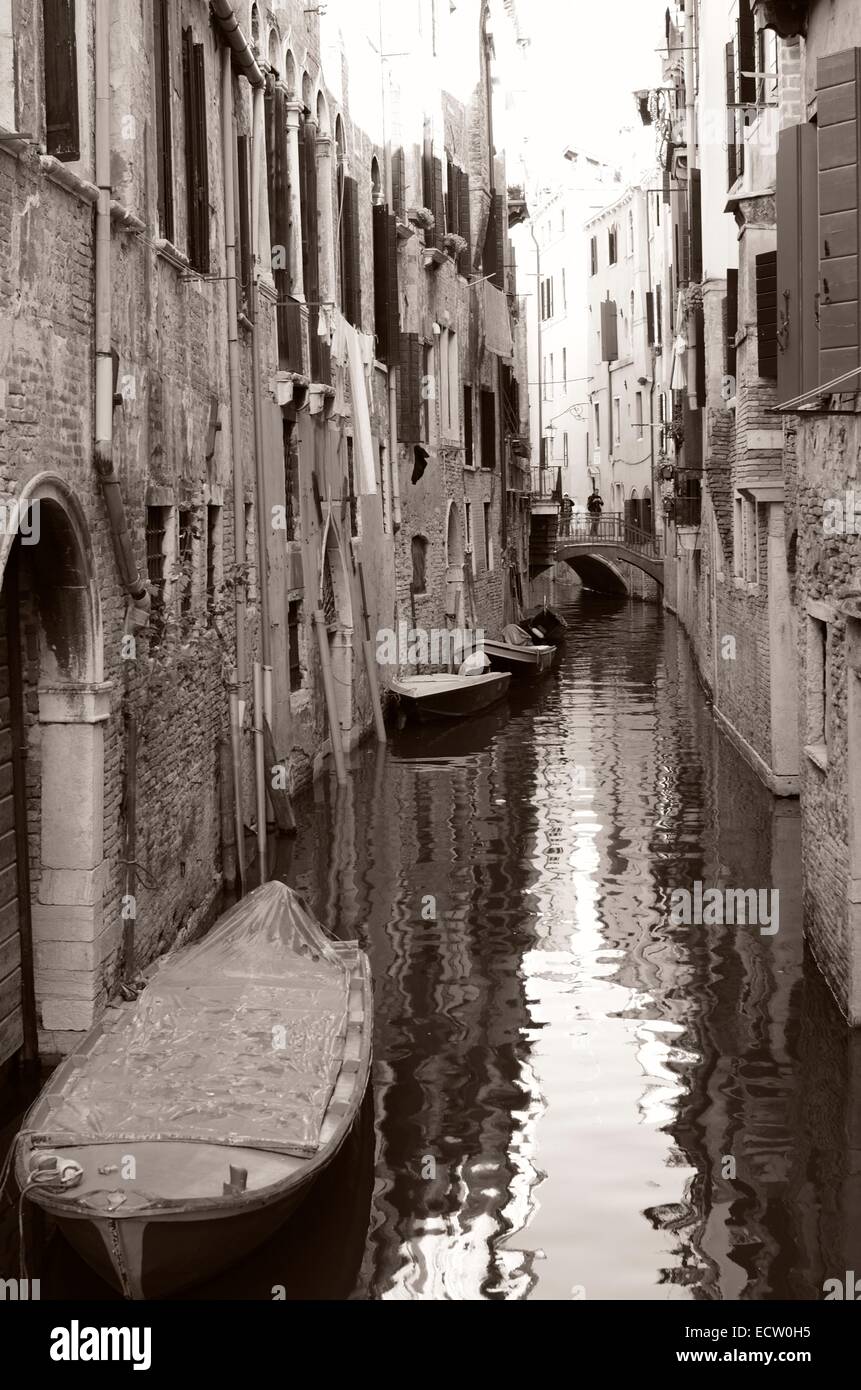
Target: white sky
x: 585, y: 60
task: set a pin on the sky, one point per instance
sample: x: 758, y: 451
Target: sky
x: 584, y: 60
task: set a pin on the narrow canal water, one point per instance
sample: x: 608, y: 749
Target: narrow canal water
x: 572, y: 1097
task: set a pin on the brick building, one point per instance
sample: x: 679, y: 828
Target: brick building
x: 214, y: 270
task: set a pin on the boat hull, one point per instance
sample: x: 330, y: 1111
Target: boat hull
x: 471, y: 696
x: 519, y: 661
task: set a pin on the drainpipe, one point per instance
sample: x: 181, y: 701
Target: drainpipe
x: 540, y: 367
x: 229, y: 25
x: 690, y: 156
x: 263, y: 517
x: 394, y: 372
x: 234, y: 378
x: 104, y: 402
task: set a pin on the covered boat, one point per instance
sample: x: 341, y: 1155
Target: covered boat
x: 518, y: 653
x: 547, y: 624
x: 448, y: 696
x: 192, y: 1121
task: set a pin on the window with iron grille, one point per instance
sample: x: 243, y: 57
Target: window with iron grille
x: 291, y: 480
x: 294, y: 622
x: 351, y: 487
x: 156, y: 533
x: 213, y: 544
x: 186, y: 543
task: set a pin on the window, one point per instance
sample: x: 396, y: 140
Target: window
x: 617, y: 420
x: 630, y: 233
x: 250, y: 552
x: 468, y: 445
x: 294, y: 626
x: 564, y: 293
x: 547, y: 298
x: 819, y: 692
x: 565, y: 450
x: 163, y: 129
x: 487, y: 407
x: 213, y: 558
x: 564, y: 369
x: 428, y: 393
x: 467, y: 518
x: 419, y: 549
x: 593, y: 255
x: 351, y: 299
x: 156, y: 568
x: 597, y: 410
x: 612, y: 247
x: 659, y: 316
x: 488, y: 537
x: 386, y: 317
x: 638, y: 413
x: 449, y: 382
x: 291, y: 480
x: 551, y: 381
x: 186, y: 559
x: 766, y: 66
x: 351, y: 487
x: 196, y: 163
x: 745, y: 539
x: 62, y: 130
x: 244, y: 263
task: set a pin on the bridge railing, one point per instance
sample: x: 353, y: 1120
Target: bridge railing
x: 611, y: 528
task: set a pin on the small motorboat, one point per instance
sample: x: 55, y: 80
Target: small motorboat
x: 518, y: 653
x: 193, y: 1120
x: 448, y: 696
x: 547, y: 623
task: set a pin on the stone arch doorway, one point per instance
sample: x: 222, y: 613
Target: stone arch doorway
x: 53, y: 709
x: 454, y: 566
x: 338, y: 612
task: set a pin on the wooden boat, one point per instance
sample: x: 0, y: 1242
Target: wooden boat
x: 518, y: 653
x: 192, y: 1122
x: 548, y: 623
x: 445, y: 696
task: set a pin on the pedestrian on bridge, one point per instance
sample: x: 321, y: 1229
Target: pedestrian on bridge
x: 595, y: 506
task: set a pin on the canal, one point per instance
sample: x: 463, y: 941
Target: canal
x: 573, y: 1097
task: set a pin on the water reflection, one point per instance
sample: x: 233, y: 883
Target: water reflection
x: 568, y: 1089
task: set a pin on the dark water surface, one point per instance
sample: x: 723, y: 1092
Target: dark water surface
x: 570, y: 1095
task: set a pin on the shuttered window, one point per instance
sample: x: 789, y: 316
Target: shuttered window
x: 287, y: 312
x: 797, y: 261
x: 399, y: 183
x: 487, y: 411
x: 351, y: 294
x: 593, y: 255
x: 696, y: 226
x: 468, y: 447
x: 609, y: 331
x: 196, y: 160
x: 243, y: 216
x: 839, y: 131
x: 464, y: 225
x: 735, y: 118
x: 62, y: 131
x: 386, y: 317
x: 493, y: 258
x: 410, y: 392
x: 731, y: 323
x: 650, y: 317
x: 163, y: 87
x: 766, y: 313
x: 659, y: 315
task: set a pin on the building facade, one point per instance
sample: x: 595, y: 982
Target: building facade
x: 253, y: 275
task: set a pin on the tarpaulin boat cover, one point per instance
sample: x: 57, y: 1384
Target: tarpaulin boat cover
x: 237, y: 1040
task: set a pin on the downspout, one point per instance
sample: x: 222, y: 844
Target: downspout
x: 263, y: 515
x: 690, y: 156
x: 104, y: 401
x: 234, y: 379
x: 394, y: 372
x: 654, y: 361
x: 540, y: 360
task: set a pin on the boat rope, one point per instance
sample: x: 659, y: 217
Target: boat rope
x: 49, y: 1170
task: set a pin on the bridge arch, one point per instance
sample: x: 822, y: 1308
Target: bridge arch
x: 597, y: 573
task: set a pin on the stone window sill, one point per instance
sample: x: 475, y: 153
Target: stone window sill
x: 818, y: 755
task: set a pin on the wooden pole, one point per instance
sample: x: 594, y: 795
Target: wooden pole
x: 236, y: 756
x: 370, y: 661
x: 329, y: 691
x: 30, y: 1047
x: 260, y: 771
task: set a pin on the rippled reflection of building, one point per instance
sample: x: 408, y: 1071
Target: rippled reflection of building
x: 423, y: 861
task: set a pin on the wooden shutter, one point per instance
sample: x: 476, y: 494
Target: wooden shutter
x: 732, y: 169
x: 839, y: 127
x: 386, y: 317
x: 464, y: 225
x: 766, y: 313
x: 609, y: 334
x: 593, y: 255
x: 163, y: 86
x: 700, y: 354
x: 351, y: 268
x: 243, y: 212
x: 62, y: 134
x: 659, y: 315
x: 746, y: 33
x: 650, y: 317
x: 196, y: 158
x: 452, y: 190
x: 399, y: 182
x: 318, y: 347
x: 409, y: 395
x: 289, y: 328
x: 731, y: 321
x: 306, y: 157
x: 683, y: 241
x: 497, y: 224
x: 696, y: 226
x: 438, y: 204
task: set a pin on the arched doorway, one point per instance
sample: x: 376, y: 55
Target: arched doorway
x: 53, y: 708
x: 454, y: 567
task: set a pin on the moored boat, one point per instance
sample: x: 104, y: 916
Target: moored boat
x: 547, y: 623
x: 518, y: 653
x: 192, y: 1121
x: 447, y: 696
